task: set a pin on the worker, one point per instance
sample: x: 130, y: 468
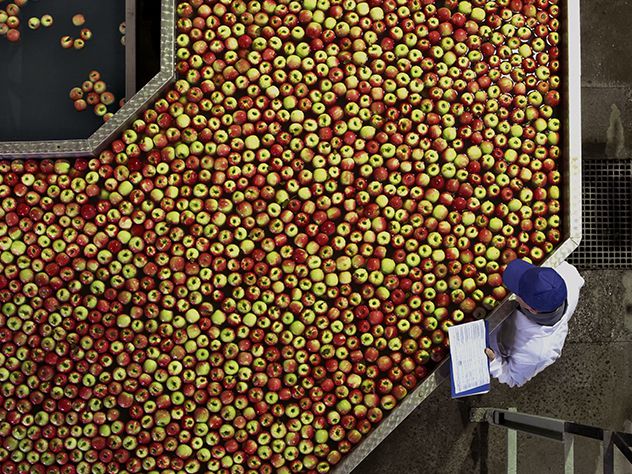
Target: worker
x: 532, y: 337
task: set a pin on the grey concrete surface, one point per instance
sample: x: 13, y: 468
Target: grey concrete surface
x: 605, y: 292
x: 606, y: 52
x: 597, y: 104
x: 591, y: 383
x: 606, y: 67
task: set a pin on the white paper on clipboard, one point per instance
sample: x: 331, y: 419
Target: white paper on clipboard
x: 468, y: 362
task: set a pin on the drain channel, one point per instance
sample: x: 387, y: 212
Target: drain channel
x: 607, y: 215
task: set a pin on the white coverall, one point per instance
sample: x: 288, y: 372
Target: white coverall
x: 525, y: 348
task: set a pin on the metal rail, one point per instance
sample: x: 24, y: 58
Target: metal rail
x: 558, y: 430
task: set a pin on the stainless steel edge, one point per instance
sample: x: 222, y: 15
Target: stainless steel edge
x: 150, y: 91
x: 122, y: 118
x: 168, y: 37
x: 129, y: 112
x: 44, y: 149
x: 572, y: 42
x: 572, y: 234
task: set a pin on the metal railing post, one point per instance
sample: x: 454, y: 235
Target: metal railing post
x: 607, y: 446
x: 512, y: 449
x: 569, y: 453
x: 556, y: 430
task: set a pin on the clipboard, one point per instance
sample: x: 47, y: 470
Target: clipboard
x: 459, y: 365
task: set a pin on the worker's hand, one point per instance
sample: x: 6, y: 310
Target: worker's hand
x: 490, y: 354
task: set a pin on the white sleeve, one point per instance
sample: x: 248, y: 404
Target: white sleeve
x: 511, y: 372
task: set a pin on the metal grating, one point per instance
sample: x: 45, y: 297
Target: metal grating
x: 607, y: 215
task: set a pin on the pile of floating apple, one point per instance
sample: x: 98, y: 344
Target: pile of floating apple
x: 257, y: 271
x: 10, y: 20
x: 93, y: 92
x: 85, y: 34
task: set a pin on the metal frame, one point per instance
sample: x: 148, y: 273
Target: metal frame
x: 123, y: 117
x: 558, y: 430
x: 572, y: 221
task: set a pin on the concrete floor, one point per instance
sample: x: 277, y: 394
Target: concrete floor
x: 592, y: 381
x: 606, y: 69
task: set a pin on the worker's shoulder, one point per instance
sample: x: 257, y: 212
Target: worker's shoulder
x: 570, y: 273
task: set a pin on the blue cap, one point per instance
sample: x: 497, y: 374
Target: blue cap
x: 541, y: 288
